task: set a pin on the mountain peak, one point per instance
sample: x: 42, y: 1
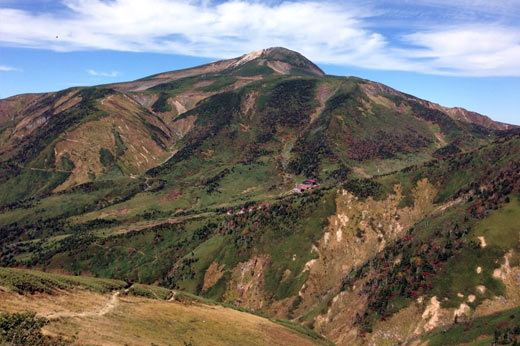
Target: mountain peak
x: 281, y: 60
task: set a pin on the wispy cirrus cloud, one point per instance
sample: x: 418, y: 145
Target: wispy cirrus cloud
x: 6, y: 68
x: 475, y: 51
x: 327, y: 32
x: 502, y: 7
x: 111, y: 74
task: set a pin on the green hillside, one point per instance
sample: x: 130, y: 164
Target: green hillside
x: 186, y: 181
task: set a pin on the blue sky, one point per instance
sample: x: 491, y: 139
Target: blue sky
x: 457, y: 53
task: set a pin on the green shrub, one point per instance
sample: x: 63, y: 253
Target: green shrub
x: 120, y: 146
x: 22, y: 329
x: 65, y: 163
x: 162, y: 105
x: 106, y: 158
x: 363, y: 188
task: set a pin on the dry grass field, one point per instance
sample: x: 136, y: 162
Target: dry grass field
x: 87, y: 317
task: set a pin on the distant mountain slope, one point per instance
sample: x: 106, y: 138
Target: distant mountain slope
x: 457, y: 113
x: 284, y: 106
x: 341, y: 204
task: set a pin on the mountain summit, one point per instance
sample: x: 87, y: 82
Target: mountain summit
x: 264, y: 62
x: 280, y: 60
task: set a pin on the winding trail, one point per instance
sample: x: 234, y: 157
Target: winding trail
x: 108, y: 307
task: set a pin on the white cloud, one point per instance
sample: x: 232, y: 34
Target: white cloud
x: 102, y: 74
x: 9, y: 68
x: 474, y: 50
x: 494, y: 7
x: 326, y: 32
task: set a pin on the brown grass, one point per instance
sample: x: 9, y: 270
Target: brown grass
x: 141, y: 321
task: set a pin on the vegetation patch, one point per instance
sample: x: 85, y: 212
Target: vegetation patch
x: 363, y: 188
x: 65, y: 163
x: 290, y: 103
x: 25, y: 329
x: 32, y: 281
x: 219, y: 84
x: 253, y: 68
x: 498, y: 329
x: 177, y: 85
x: 162, y: 105
x: 120, y: 146
x: 106, y: 158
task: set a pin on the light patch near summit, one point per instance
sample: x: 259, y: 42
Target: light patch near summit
x: 248, y: 57
x: 343, y: 219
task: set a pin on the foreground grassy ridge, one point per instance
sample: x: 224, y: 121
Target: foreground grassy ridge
x: 141, y: 321
x: 87, y: 317
x: 31, y: 281
x: 300, y: 329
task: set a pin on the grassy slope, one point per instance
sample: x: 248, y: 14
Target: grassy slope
x: 441, y: 253
x: 87, y: 317
x: 499, y: 230
x: 480, y: 331
x: 154, y: 258
x: 31, y: 281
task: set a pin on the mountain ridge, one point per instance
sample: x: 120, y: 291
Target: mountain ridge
x: 273, y: 54
x: 160, y: 112
x: 457, y: 113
